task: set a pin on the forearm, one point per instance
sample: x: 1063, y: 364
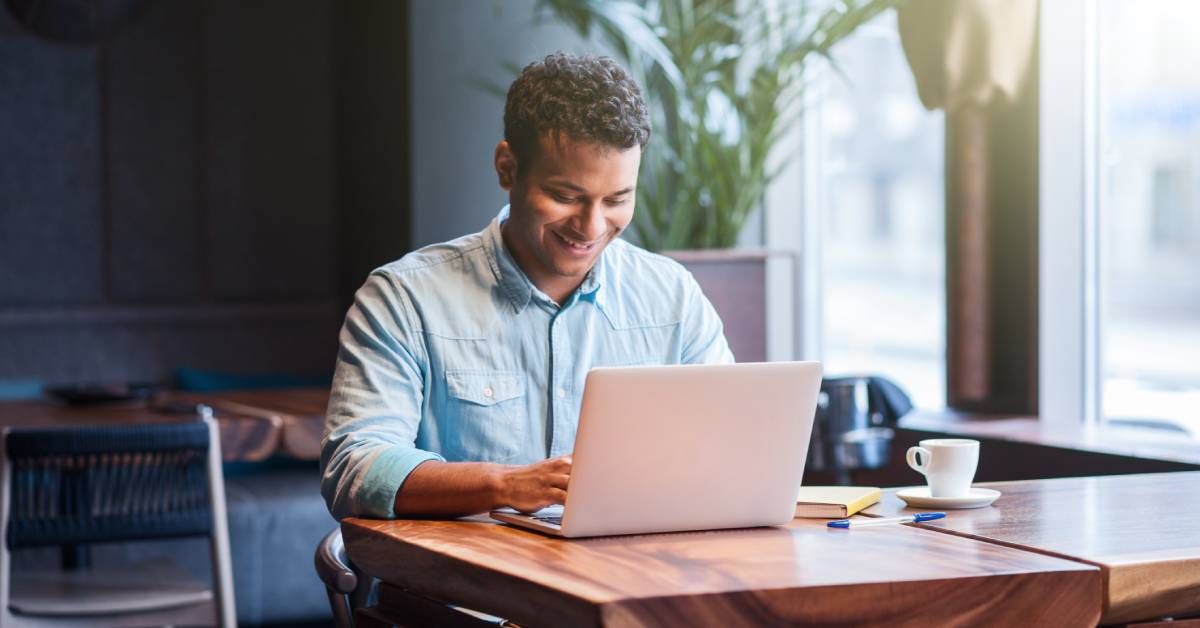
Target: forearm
x: 451, y: 489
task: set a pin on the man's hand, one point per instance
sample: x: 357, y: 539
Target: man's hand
x: 462, y: 488
x: 533, y: 487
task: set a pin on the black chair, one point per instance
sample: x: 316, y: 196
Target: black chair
x: 347, y: 590
x: 77, y: 486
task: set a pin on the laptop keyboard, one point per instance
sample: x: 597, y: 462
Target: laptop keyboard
x: 554, y: 520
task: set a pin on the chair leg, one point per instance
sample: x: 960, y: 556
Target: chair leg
x: 222, y: 569
x: 343, y: 616
x: 5, y: 497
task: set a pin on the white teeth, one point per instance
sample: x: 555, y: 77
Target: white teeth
x: 575, y: 243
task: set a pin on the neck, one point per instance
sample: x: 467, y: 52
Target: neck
x: 558, y: 287
x: 561, y: 294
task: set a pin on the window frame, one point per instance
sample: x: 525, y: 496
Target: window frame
x: 793, y: 220
x: 1068, y: 320
x: 1069, y: 270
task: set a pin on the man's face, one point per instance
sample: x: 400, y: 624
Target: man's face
x: 565, y: 207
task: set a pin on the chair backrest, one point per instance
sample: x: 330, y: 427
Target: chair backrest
x: 97, y: 484
x: 346, y: 588
x: 332, y: 565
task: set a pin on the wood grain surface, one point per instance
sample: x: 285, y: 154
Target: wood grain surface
x: 1137, y: 442
x: 245, y: 437
x: 254, y: 424
x: 804, y: 573
x: 300, y: 412
x: 1142, y: 530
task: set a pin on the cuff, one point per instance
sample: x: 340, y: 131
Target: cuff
x: 387, y: 475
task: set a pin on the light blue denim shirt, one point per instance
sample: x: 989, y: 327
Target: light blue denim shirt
x: 451, y: 353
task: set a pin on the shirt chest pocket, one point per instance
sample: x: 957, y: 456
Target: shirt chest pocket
x: 486, y: 412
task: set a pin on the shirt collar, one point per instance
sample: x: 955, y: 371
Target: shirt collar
x: 512, y: 280
x: 517, y: 286
x: 590, y: 289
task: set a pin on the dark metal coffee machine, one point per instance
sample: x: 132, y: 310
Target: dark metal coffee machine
x: 853, y: 426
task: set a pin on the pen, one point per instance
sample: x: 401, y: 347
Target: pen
x: 862, y: 523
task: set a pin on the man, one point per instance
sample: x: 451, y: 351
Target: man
x: 461, y: 367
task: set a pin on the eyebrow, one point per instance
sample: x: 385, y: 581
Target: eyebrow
x: 576, y: 188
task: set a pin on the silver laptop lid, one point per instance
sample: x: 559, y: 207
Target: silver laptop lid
x: 695, y: 447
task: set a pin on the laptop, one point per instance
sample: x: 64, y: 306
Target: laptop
x: 685, y: 447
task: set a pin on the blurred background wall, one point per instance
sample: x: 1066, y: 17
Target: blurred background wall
x: 209, y: 187
x: 192, y: 192
x: 455, y: 123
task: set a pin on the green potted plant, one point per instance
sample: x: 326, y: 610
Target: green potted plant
x: 724, y: 82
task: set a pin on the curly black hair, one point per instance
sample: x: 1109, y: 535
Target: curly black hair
x: 589, y: 98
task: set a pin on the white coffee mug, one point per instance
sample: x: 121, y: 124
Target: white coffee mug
x: 948, y: 464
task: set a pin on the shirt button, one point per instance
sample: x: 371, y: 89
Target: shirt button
x: 561, y: 393
x: 487, y: 392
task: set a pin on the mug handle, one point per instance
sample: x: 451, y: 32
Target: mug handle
x: 911, y: 457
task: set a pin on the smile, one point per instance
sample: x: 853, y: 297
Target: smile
x: 576, y: 245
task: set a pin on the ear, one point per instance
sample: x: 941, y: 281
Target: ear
x: 506, y: 165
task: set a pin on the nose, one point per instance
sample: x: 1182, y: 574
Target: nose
x: 593, y: 224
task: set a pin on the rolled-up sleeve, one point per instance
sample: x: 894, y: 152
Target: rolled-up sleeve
x: 375, y: 404
x: 703, y: 333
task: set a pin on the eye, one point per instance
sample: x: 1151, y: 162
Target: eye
x: 562, y: 198
x: 616, y: 202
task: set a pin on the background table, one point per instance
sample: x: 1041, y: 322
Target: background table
x: 801, y: 573
x: 299, y: 413
x: 254, y: 425
x: 1143, y: 531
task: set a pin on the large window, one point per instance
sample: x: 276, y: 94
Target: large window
x: 881, y: 202
x: 1120, y: 213
x: 1148, y: 193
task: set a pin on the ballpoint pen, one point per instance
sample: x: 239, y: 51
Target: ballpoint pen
x: 864, y: 523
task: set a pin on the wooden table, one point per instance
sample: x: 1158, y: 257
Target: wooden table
x: 802, y: 573
x: 298, y: 412
x: 1118, y: 440
x: 254, y: 425
x: 1142, y: 531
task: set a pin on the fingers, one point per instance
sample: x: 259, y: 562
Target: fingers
x: 561, y: 464
x: 540, y: 484
x: 558, y: 480
x: 547, y: 497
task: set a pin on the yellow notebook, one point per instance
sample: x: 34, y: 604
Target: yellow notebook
x: 835, y: 502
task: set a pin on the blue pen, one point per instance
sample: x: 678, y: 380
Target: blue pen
x: 864, y: 523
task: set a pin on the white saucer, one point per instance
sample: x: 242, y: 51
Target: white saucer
x: 919, y: 497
